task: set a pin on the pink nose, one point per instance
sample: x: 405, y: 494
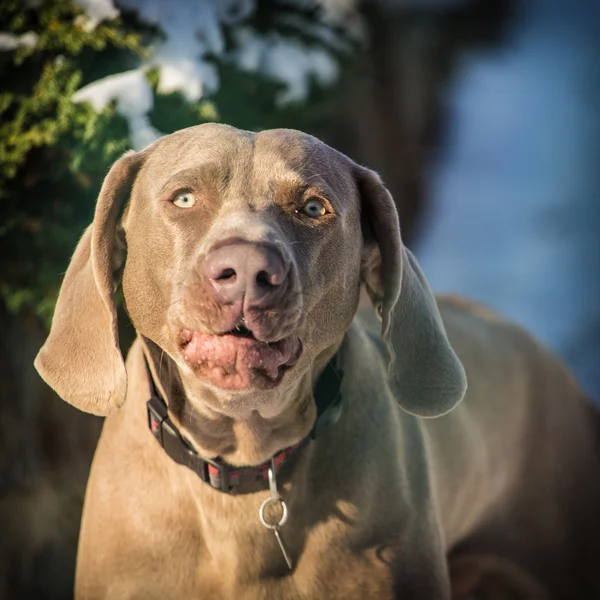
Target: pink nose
x: 240, y: 271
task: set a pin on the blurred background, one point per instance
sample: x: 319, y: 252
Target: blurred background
x: 482, y: 116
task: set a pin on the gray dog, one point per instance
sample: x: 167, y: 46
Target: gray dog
x: 297, y: 458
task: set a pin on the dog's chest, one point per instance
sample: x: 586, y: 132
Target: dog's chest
x: 331, y: 573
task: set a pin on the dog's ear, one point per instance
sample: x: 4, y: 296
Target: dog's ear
x: 424, y: 372
x: 81, y: 359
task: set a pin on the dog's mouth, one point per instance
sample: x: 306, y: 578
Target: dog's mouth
x: 242, y: 332
x: 237, y: 360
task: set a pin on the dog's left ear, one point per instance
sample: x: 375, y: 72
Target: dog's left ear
x: 424, y: 372
x: 81, y: 359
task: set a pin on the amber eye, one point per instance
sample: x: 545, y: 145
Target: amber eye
x: 314, y: 209
x: 185, y: 200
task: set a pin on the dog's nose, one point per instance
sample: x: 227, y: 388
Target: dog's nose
x: 254, y: 273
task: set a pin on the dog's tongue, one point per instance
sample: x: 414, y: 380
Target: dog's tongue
x: 234, y: 362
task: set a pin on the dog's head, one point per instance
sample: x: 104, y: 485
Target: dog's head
x: 244, y: 258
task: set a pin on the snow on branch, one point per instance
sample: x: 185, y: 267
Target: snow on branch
x: 193, y: 36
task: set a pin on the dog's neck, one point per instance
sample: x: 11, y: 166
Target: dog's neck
x: 251, y: 440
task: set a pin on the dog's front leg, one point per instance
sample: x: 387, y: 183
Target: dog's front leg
x: 425, y: 580
x: 421, y: 571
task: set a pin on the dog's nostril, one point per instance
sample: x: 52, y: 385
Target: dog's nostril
x: 226, y: 275
x: 263, y: 279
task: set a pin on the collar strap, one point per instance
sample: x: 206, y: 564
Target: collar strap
x: 216, y: 472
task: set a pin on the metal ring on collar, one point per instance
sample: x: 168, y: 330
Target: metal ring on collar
x: 284, y: 516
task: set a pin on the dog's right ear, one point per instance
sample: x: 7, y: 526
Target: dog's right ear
x: 424, y: 372
x: 81, y: 359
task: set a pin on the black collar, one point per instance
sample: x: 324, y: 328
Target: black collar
x: 216, y: 472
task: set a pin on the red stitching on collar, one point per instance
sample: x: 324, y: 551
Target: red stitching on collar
x: 260, y: 472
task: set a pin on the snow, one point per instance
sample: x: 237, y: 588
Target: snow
x: 515, y: 212
x: 193, y: 32
x: 285, y: 60
x: 10, y: 41
x: 97, y: 11
x: 133, y: 96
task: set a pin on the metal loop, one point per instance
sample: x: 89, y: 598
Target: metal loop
x: 284, y: 516
x: 273, y: 482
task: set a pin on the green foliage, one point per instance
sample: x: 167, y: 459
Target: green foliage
x: 54, y: 153
x: 38, y: 82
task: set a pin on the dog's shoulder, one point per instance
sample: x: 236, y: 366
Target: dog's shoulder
x: 451, y: 304
x: 487, y: 341
x: 465, y: 318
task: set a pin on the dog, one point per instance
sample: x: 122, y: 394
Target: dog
x: 266, y: 440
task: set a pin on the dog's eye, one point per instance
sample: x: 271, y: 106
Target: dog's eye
x: 314, y: 209
x: 185, y: 200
